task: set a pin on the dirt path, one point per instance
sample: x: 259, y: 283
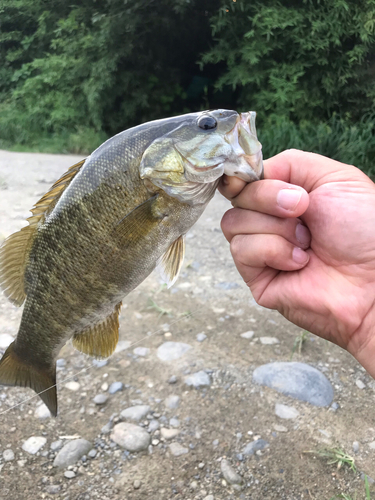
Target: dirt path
x: 214, y: 421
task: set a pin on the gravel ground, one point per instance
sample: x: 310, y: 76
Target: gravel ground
x: 175, y: 412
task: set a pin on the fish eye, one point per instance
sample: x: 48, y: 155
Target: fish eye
x: 207, y: 122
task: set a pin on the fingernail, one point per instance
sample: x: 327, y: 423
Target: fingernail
x: 300, y: 256
x: 303, y: 234
x: 288, y: 198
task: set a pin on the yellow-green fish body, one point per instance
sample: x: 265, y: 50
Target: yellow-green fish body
x: 103, y: 228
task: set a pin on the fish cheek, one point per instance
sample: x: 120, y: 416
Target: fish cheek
x: 161, y: 161
x: 205, y: 150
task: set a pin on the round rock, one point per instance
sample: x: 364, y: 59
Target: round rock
x: 172, y: 401
x: 230, y: 475
x: 198, y: 379
x: 177, y: 449
x: 141, y: 351
x: 34, y: 444
x: 42, y: 412
x: 100, y: 399
x: 169, y: 351
x: 115, y: 387
x: 298, y: 380
x: 135, y: 412
x: 131, y: 437
x: 251, y: 448
x: 72, y: 452
x: 284, y: 411
x: 8, y: 455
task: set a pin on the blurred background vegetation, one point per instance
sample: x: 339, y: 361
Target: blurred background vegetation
x: 74, y: 73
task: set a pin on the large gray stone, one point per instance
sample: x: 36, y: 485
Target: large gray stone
x: 131, y: 437
x: 72, y: 452
x: 135, y: 412
x: 230, y: 475
x: 198, y: 379
x: 34, y: 444
x: 257, y: 445
x: 169, y: 351
x: 298, y: 380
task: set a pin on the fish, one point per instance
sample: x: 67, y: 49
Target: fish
x: 104, y: 226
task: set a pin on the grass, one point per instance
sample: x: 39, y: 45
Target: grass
x: 336, y: 456
x: 344, y: 496
x: 157, y: 308
x: 298, y: 343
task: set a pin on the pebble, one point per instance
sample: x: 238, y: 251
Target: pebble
x: 355, y: 446
x: 169, y: 351
x: 177, y: 449
x: 201, y: 337
x: 172, y: 379
x: 34, y: 444
x: 8, y: 455
x: 56, y: 445
x: 5, y: 340
x: 298, y: 380
x: 122, y: 345
x: 106, y: 429
x: 69, y: 474
x: 92, y: 453
x: 137, y: 484
x: 174, y: 422
x: 198, y: 379
x: 100, y: 399
x: 104, y: 387
x: 153, y: 426
x: 169, y: 433
x: 72, y: 452
x: 229, y: 473
x: 60, y: 363
x: 247, y: 335
x: 131, y: 437
x: 99, y: 363
x: 53, y: 489
x: 42, y: 412
x: 215, y: 442
x: 360, y: 384
x: 251, y: 448
x: 284, y: 411
x: 172, y: 401
x: 280, y: 428
x: 21, y: 463
x: 72, y: 386
x: 209, y: 497
x: 372, y: 445
x: 115, y: 387
x: 269, y: 340
x: 135, y: 412
x: 141, y: 351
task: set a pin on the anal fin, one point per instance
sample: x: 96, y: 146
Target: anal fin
x: 99, y: 340
x: 170, y: 263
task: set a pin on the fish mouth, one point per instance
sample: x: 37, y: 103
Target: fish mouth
x: 248, y: 150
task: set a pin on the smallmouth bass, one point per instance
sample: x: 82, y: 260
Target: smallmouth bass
x: 103, y: 228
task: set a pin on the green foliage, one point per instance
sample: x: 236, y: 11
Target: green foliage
x: 301, y: 59
x: 342, y: 140
x: 73, y: 74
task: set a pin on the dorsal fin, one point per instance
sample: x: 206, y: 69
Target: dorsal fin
x: 16, y: 248
x: 99, y: 340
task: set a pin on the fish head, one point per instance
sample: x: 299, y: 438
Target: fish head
x: 199, y: 150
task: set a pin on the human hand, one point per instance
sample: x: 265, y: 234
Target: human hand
x: 320, y: 274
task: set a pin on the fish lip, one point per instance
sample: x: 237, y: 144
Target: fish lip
x: 249, y: 166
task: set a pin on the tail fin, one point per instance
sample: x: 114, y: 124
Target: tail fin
x: 15, y: 371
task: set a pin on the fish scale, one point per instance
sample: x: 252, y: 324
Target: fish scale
x: 103, y: 228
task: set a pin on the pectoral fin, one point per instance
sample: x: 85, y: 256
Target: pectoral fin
x: 101, y: 339
x: 170, y: 263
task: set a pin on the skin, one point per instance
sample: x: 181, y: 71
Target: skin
x: 303, y: 240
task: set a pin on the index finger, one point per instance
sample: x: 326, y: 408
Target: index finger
x: 308, y: 170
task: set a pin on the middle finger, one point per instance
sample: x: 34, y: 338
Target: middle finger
x: 240, y: 221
